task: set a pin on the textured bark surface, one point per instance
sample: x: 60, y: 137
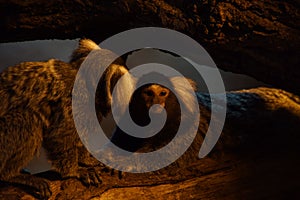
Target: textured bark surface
x: 256, y: 157
x: 270, y: 174
x: 258, y: 38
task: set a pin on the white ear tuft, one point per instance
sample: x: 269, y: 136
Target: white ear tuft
x: 85, y: 46
x: 185, y: 89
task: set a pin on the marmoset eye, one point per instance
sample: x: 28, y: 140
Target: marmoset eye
x: 163, y: 93
x: 149, y: 93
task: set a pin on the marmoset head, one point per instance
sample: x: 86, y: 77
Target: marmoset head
x: 154, y: 94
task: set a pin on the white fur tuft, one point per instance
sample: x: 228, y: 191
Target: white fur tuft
x: 84, y: 48
x: 185, y: 89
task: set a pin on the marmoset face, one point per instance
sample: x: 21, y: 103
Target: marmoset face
x: 155, y: 94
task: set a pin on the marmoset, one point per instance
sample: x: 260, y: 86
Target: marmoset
x: 251, y: 115
x: 36, y: 110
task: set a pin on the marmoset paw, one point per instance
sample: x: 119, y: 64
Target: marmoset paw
x: 89, y: 176
x: 41, y: 189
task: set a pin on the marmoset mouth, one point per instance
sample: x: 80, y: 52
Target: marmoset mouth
x: 156, y: 109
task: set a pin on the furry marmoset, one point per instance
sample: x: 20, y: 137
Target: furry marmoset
x: 152, y: 94
x: 36, y: 110
x: 252, y: 115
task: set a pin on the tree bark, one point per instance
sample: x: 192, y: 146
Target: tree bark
x: 257, y: 38
x: 266, y: 175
